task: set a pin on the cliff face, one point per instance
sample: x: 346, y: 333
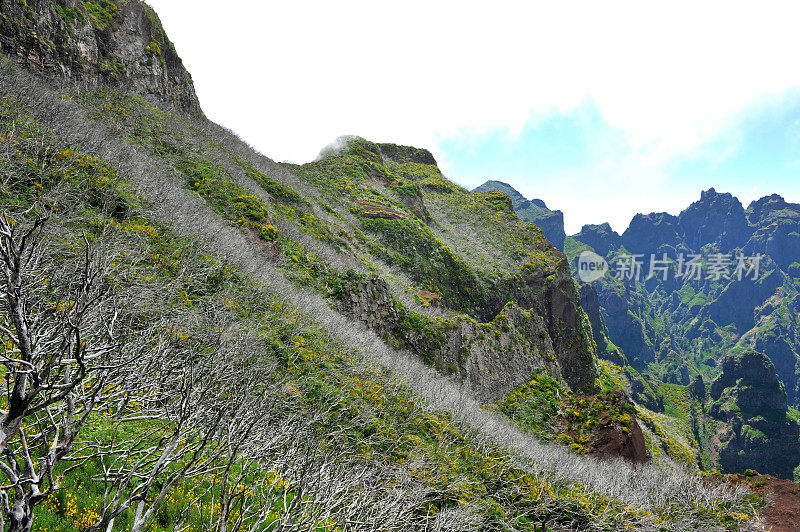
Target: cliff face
x: 120, y: 43
x: 511, y: 325
x: 718, y: 218
x: 590, y: 301
x: 602, y: 238
x: 777, y: 229
x: 757, y: 433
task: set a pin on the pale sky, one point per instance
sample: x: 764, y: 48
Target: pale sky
x: 602, y: 109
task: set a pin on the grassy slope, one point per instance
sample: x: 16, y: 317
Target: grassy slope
x: 381, y: 420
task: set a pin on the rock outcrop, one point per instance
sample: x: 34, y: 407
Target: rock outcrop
x: 119, y: 43
x: 757, y: 433
x: 495, y: 357
x: 614, y: 442
x: 602, y: 238
x: 590, y: 301
x: 777, y: 229
x: 534, y: 211
x: 715, y: 219
x: 651, y: 233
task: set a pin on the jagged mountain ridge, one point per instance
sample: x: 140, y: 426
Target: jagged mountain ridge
x: 678, y: 328
x: 681, y: 329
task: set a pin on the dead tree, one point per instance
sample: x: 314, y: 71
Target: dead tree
x: 58, y: 328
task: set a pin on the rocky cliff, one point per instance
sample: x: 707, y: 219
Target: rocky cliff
x: 600, y: 237
x: 119, y: 43
x: 508, y: 327
x: 757, y: 434
x: 590, y: 301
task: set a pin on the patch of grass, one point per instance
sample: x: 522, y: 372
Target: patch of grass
x: 101, y: 12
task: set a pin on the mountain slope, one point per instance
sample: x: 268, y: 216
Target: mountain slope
x: 317, y: 307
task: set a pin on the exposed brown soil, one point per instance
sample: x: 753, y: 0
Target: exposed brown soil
x: 434, y: 300
x: 783, y: 515
x: 613, y: 441
x: 610, y: 439
x: 783, y: 497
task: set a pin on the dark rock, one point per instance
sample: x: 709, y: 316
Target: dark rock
x: 627, y: 327
x: 698, y: 387
x: 738, y: 301
x: 121, y: 44
x: 590, y: 302
x: 756, y: 434
x: 601, y: 238
x: 777, y: 229
x: 648, y: 233
x: 715, y: 219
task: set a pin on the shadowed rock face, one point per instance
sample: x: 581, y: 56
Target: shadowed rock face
x: 590, y: 301
x: 777, y: 229
x: 716, y: 218
x: 600, y: 237
x: 757, y: 434
x: 121, y: 44
x: 552, y: 335
x: 648, y: 233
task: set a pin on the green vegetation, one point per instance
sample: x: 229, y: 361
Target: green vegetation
x: 410, y: 245
x: 553, y: 413
x: 360, y: 414
x: 102, y: 12
x: 388, y: 214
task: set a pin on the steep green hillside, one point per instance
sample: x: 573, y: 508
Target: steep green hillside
x: 360, y: 421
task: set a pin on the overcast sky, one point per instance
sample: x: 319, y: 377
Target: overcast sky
x: 602, y: 109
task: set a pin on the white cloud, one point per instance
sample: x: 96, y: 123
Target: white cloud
x: 671, y: 77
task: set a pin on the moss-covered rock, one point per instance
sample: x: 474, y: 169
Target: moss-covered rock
x: 756, y: 433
